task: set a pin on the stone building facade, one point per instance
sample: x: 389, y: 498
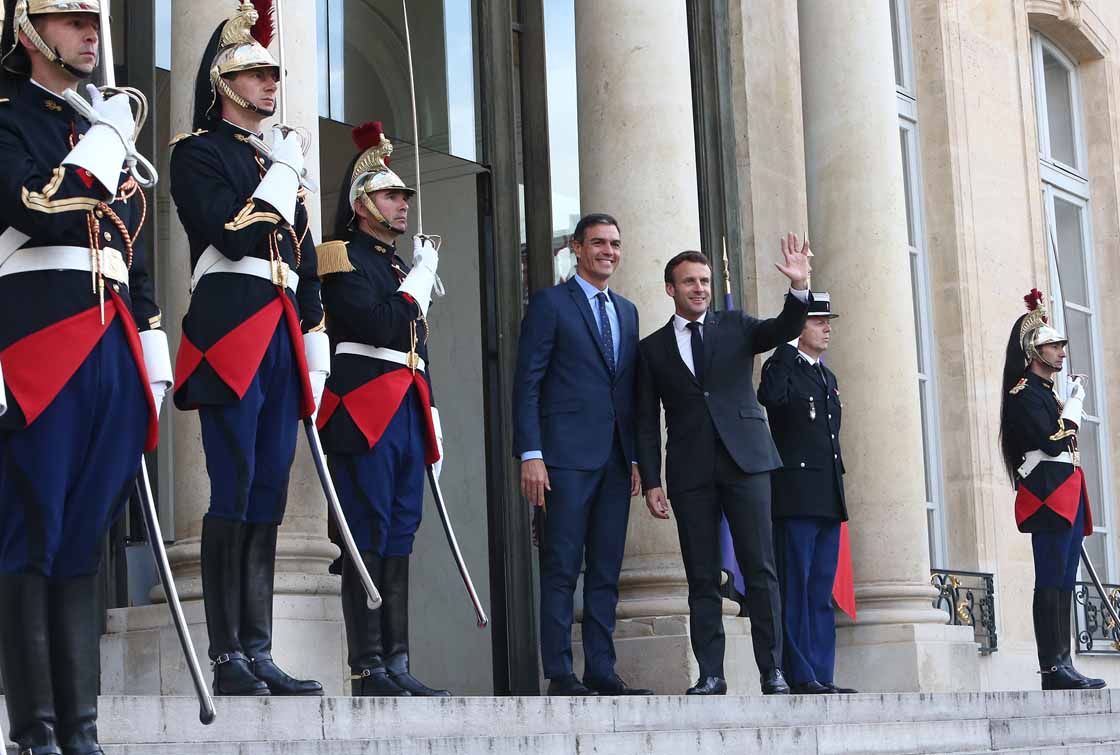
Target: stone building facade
x: 944, y: 156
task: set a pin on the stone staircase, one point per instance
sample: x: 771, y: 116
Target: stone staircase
x: 1004, y: 722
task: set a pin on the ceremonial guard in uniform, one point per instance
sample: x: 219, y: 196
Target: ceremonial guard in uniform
x: 1038, y: 438
x: 802, y: 401
x: 80, y: 344
x: 254, y: 310
x: 378, y: 424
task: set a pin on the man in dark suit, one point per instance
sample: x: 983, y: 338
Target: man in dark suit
x: 574, y: 407
x: 802, y: 400
x: 698, y: 366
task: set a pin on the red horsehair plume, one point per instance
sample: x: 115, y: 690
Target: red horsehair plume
x: 367, y: 136
x: 265, y: 27
x: 1033, y: 300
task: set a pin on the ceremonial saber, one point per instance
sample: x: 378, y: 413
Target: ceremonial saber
x: 1104, y: 597
x: 256, y: 142
x: 373, y: 597
x: 206, y: 712
x: 456, y: 554
x: 415, y: 122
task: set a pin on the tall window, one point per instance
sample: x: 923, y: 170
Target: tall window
x: 1073, y: 295
x: 919, y: 278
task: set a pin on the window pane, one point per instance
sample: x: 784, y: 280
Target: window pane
x: 163, y: 34
x: 1071, y: 252
x: 1081, y: 358
x: 375, y: 84
x: 907, y: 183
x: 923, y: 400
x: 563, y: 133
x: 1059, y: 110
x: 899, y: 74
x: 1088, y: 444
x: 934, y: 538
x: 918, y: 298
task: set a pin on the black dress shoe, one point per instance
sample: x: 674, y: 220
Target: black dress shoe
x: 280, y: 683
x: 811, y: 687
x: 613, y: 685
x: 840, y: 690
x: 232, y: 677
x: 568, y: 686
x: 773, y: 683
x: 709, y: 685
x: 1062, y: 677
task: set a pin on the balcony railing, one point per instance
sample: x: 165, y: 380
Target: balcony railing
x: 1096, y: 632
x: 970, y: 600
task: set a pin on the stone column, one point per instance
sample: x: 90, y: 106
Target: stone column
x: 857, y: 220
x: 638, y: 162
x: 140, y: 652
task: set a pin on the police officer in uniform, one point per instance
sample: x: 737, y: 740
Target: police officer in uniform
x: 252, y: 333
x: 80, y: 343
x: 379, y: 426
x: 802, y: 402
x: 1038, y: 438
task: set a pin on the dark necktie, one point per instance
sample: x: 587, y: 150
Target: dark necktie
x: 605, y: 330
x: 697, y: 351
x: 820, y: 374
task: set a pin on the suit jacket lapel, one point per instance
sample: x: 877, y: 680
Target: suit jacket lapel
x: 584, y: 307
x: 673, y: 352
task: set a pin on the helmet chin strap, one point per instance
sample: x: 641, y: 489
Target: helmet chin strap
x: 52, y: 55
x: 375, y: 213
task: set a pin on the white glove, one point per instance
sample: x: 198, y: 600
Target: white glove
x: 157, y: 362
x: 103, y: 149
x: 422, y: 278
x: 281, y: 183
x: 3, y: 395
x: 438, y: 466
x: 1071, y: 412
x: 317, y: 349
x: 287, y: 150
x: 1077, y: 389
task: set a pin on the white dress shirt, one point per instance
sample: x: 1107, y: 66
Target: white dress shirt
x: 684, y: 335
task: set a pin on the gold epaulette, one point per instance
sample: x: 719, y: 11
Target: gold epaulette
x: 1018, y: 386
x: 333, y: 258
x: 4, y: 100
x: 185, y: 135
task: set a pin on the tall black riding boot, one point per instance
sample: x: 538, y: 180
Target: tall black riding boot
x: 75, y: 663
x: 257, y: 574
x: 1065, y: 658
x: 25, y: 664
x: 394, y: 625
x: 222, y: 546
x: 363, y: 633
x: 1046, y: 630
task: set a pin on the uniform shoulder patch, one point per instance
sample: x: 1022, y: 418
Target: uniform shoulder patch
x: 333, y: 258
x: 1018, y: 386
x: 185, y: 135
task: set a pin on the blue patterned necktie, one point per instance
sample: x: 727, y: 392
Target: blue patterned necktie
x: 605, y: 330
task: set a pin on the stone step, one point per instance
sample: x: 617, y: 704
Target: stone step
x: 820, y: 725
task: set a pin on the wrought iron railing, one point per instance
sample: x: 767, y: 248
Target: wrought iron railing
x: 1095, y: 628
x: 970, y: 600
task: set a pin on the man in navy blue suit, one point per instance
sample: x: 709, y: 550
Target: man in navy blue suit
x: 574, y: 431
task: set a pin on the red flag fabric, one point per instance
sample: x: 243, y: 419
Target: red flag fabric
x: 843, y: 586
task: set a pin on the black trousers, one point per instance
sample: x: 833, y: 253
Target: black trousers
x: 745, y: 500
